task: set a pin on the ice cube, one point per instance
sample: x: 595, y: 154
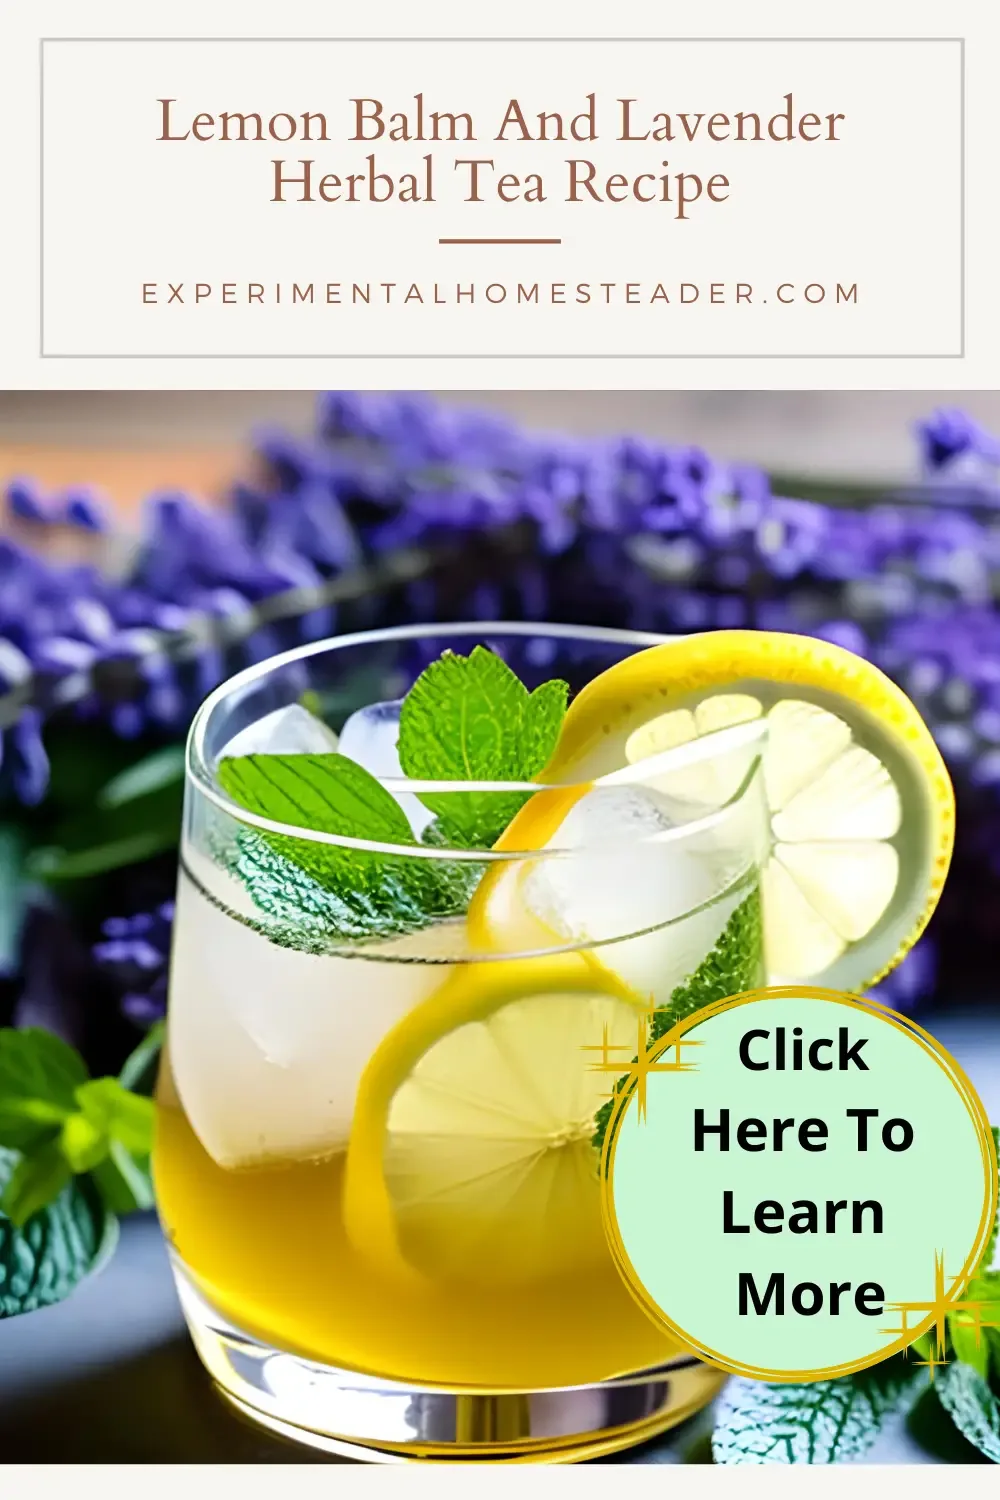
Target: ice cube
x: 628, y: 888
x: 292, y: 730
x: 268, y: 1044
x: 371, y: 737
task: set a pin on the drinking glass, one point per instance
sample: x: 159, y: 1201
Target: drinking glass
x: 375, y: 1159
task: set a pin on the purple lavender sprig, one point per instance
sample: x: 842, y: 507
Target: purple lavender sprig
x: 649, y: 535
x: 134, y: 953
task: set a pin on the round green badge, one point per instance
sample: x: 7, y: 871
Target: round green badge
x: 797, y: 1183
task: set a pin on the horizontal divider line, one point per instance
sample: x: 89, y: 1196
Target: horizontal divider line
x: 499, y: 242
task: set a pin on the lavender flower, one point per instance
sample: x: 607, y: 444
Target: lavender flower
x: 134, y: 953
x: 645, y: 534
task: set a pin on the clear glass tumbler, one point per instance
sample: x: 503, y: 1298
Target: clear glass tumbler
x: 377, y: 1160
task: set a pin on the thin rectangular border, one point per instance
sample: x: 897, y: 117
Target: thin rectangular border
x: 603, y: 41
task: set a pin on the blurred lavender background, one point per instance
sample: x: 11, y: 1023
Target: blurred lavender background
x: 871, y: 519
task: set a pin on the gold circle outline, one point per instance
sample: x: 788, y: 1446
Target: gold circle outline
x: 909, y: 1028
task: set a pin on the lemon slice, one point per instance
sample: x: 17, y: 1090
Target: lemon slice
x: 860, y: 804
x: 470, y: 1155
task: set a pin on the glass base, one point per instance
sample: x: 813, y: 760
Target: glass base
x: 384, y: 1421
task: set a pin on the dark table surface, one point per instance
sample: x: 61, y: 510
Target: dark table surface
x: 109, y: 1376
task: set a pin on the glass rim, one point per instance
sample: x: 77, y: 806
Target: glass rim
x: 199, y: 773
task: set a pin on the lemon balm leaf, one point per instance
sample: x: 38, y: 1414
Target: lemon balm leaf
x: 123, y: 1180
x: 821, y: 1422
x: 973, y: 1407
x: 39, y: 1074
x: 541, y: 721
x: 61, y: 1242
x: 321, y: 793
x: 470, y: 718
x: 82, y: 1143
x: 117, y: 1114
x: 34, y: 1183
x: 316, y: 893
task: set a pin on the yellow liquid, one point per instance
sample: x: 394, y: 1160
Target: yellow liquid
x: 267, y: 1248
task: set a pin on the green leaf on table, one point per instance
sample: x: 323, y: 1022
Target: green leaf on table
x: 470, y: 718
x: 124, y: 1181
x: 39, y: 1076
x: 82, y: 1143
x: 733, y: 965
x: 118, y: 1114
x: 163, y: 768
x: 972, y: 1406
x: 35, y: 1182
x: 330, y: 891
x: 64, y: 1124
x: 42, y: 1260
x: 821, y: 1422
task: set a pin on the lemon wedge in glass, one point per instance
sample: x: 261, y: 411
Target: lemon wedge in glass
x: 859, y: 802
x: 470, y: 1155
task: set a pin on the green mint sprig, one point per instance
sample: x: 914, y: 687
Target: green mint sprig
x: 973, y: 1403
x: 465, y: 718
x: 335, y: 890
x: 470, y: 718
x: 819, y: 1422
x: 74, y: 1153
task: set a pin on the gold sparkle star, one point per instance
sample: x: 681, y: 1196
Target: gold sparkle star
x: 643, y: 1063
x: 939, y: 1306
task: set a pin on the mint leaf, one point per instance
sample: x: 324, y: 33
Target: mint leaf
x: 470, y: 718
x: 82, y: 1144
x: 321, y: 793
x: 34, y: 1182
x: 322, y: 892
x: 733, y: 965
x: 118, y: 1114
x: 822, y: 1422
x: 124, y: 1181
x: 972, y: 1406
x: 64, y: 1125
x: 39, y: 1075
x: 44, y: 1259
